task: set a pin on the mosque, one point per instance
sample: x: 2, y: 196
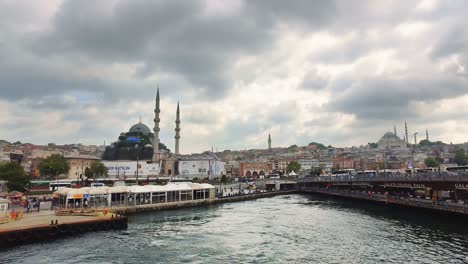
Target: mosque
x: 140, y: 144
x: 391, y: 140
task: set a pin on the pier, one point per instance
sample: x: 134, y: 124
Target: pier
x: 441, y: 192
x: 46, y: 226
x: 49, y: 225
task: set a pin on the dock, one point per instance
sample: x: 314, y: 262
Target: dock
x: 47, y: 226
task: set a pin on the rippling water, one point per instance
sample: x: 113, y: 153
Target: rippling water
x: 293, y: 229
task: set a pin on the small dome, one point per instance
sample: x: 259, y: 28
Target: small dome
x: 148, y: 146
x: 140, y: 128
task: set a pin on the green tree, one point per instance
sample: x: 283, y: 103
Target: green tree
x: 293, y: 166
x: 425, y: 142
x: 88, y: 173
x: 98, y: 169
x: 53, y: 166
x: 14, y: 174
x: 431, y: 162
x: 316, y: 171
x: 460, y: 157
x: 319, y: 145
x: 223, y: 179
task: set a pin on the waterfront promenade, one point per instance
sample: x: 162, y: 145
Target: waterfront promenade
x: 44, y: 218
x: 450, y: 207
x: 47, y: 225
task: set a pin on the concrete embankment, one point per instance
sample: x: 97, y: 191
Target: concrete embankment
x: 441, y: 207
x: 192, y: 203
x: 46, y: 227
x: 37, y: 231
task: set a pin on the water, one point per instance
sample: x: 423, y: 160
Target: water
x: 282, y: 229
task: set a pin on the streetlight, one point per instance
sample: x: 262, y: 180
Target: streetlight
x: 137, y: 156
x: 137, y: 151
x: 412, y: 154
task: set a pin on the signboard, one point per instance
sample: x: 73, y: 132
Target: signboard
x: 406, y: 185
x: 461, y: 186
x: 77, y: 196
x: 129, y: 168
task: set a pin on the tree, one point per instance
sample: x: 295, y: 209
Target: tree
x: 98, y: 169
x: 14, y: 174
x: 223, y: 179
x: 293, y: 166
x: 431, y: 162
x: 53, y: 166
x: 373, y: 145
x: 88, y: 173
x: 460, y: 157
x: 319, y: 145
x: 425, y: 142
x: 316, y: 171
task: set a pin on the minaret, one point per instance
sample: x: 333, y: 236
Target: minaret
x: 269, y: 141
x: 177, y: 130
x: 406, y: 133
x: 427, y: 135
x: 156, y: 155
x: 394, y: 130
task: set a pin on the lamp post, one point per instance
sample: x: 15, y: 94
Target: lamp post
x: 137, y: 156
x: 137, y: 151
x: 412, y: 154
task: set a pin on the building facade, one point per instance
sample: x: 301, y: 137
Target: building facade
x: 254, y: 169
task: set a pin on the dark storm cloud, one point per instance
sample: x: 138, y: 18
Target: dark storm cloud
x: 391, y: 99
x: 173, y: 36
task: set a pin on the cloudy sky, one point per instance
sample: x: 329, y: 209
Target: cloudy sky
x: 336, y: 72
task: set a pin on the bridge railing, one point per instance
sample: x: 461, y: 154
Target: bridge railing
x: 379, y: 177
x: 447, y: 205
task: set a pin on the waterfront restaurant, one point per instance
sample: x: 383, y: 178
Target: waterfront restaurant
x: 133, y: 195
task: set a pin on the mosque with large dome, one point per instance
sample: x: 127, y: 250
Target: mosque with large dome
x: 142, y: 143
x: 391, y: 140
x: 139, y: 138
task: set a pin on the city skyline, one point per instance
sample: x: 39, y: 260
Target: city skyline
x: 331, y: 72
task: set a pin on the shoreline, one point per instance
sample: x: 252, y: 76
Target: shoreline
x: 44, y: 228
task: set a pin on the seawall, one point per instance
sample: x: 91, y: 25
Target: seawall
x: 15, y: 236
x: 451, y: 208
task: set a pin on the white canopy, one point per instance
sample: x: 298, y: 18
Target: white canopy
x: 292, y: 173
x: 185, y: 186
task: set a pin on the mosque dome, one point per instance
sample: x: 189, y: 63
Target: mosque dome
x: 389, y: 135
x: 389, y: 139
x: 140, y: 128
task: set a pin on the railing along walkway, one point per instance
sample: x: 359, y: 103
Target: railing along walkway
x: 400, y: 200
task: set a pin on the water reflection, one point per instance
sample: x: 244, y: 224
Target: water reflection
x: 293, y: 229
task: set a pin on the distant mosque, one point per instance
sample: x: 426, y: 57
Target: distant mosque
x: 391, y: 140
x: 139, y: 143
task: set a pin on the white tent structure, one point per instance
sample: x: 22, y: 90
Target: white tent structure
x: 133, y: 195
x: 292, y: 173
